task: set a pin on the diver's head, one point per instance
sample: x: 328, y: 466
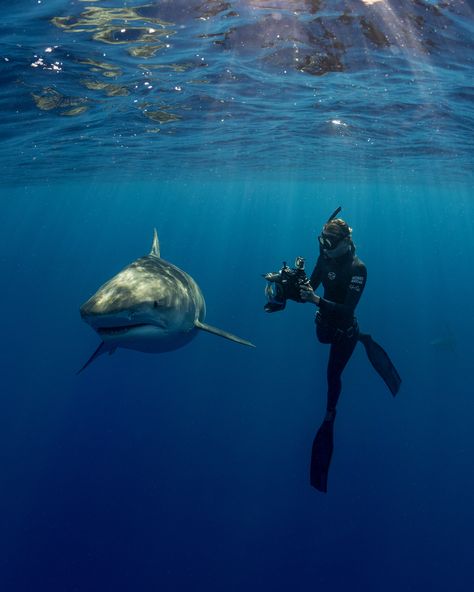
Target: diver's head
x: 335, y: 238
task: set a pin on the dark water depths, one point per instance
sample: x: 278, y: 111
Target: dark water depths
x: 235, y: 128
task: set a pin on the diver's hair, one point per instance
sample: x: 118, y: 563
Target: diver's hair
x: 338, y: 227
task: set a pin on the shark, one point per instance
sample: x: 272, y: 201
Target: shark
x: 150, y: 306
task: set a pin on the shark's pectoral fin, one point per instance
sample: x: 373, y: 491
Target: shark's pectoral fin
x: 222, y: 333
x: 98, y: 352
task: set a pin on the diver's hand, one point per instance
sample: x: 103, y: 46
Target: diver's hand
x: 307, y: 295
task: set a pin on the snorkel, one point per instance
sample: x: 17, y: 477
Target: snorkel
x: 334, y: 214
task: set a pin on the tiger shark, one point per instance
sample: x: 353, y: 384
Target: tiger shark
x: 150, y: 306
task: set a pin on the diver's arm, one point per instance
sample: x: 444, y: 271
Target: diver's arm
x: 307, y: 292
x: 316, y: 277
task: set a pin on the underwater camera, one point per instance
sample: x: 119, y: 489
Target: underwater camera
x: 285, y: 285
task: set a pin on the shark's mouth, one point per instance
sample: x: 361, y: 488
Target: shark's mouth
x: 121, y: 329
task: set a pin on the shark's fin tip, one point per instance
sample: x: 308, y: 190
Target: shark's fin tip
x: 155, y: 247
x: 99, y: 351
x: 210, y: 329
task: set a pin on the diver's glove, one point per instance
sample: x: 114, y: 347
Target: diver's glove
x: 307, y: 294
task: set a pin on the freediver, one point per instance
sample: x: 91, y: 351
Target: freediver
x: 343, y: 276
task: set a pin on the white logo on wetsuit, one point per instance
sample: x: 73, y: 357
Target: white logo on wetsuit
x: 357, y: 282
x: 331, y: 275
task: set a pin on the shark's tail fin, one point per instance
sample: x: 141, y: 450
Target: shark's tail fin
x: 222, y: 333
x: 98, y: 352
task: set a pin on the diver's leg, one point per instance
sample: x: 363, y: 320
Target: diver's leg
x: 340, y: 353
x: 323, y: 443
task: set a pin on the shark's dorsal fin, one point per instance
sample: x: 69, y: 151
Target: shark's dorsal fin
x: 221, y: 333
x: 155, y: 247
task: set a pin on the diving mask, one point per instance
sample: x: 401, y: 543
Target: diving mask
x: 339, y: 250
x: 330, y: 241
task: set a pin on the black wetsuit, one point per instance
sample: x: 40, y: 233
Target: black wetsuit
x: 343, y: 280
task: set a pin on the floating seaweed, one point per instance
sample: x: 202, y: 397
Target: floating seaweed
x: 161, y: 116
x: 76, y: 111
x: 145, y: 51
x: 106, y: 69
x: 49, y: 99
x: 111, y: 90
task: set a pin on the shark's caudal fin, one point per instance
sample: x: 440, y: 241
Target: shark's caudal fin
x: 155, y: 248
x: 222, y: 333
x: 102, y: 349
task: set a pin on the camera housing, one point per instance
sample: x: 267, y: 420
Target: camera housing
x: 285, y: 285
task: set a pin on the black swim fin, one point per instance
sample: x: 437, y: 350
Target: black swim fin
x: 321, y: 455
x: 381, y: 362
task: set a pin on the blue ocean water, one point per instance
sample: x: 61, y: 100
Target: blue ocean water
x: 235, y: 129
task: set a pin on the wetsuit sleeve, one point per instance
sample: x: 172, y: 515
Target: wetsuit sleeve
x: 316, y: 276
x: 354, y: 292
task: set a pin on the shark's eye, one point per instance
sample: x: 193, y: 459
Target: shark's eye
x: 155, y: 304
